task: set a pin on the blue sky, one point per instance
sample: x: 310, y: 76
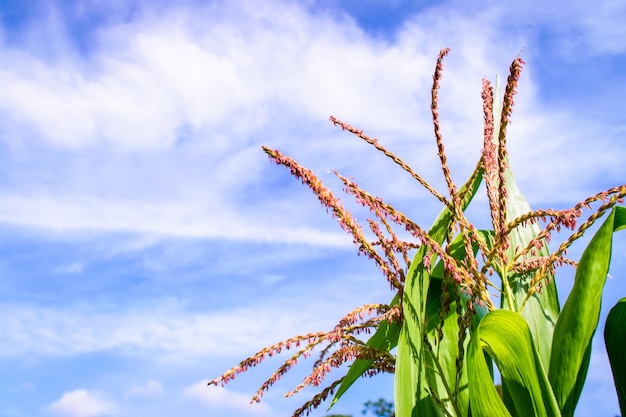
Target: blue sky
x: 146, y: 242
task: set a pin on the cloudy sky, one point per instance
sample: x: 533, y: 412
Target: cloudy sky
x: 146, y: 242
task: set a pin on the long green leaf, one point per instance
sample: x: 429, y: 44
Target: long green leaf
x: 571, y: 348
x: 442, y: 376
x: 412, y: 397
x: 386, y: 337
x: 542, y: 309
x: 441, y: 367
x: 505, y: 336
x: 615, y: 340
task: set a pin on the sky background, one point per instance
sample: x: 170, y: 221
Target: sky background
x: 146, y: 242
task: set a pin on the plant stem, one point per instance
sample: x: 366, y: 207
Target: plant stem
x: 451, y: 396
x: 507, y: 289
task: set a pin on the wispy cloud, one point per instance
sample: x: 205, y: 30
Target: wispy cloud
x: 171, y: 334
x: 83, y: 403
x: 151, y: 388
x: 133, y: 130
x: 134, y: 133
x: 165, y: 220
x: 145, y: 143
x: 223, y: 398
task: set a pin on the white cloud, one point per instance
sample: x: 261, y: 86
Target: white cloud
x: 71, y: 268
x: 167, y: 219
x: 83, y: 403
x: 156, y: 131
x: 131, y: 133
x: 220, y: 397
x: 151, y: 388
x: 224, y: 76
x: 248, y: 74
x: 166, y: 333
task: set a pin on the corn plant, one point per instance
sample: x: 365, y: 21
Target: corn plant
x: 442, y: 332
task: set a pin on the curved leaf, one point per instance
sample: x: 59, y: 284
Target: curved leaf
x: 571, y: 348
x: 615, y: 339
x: 542, y: 309
x: 412, y: 396
x: 505, y: 336
x: 386, y: 337
x: 446, y: 350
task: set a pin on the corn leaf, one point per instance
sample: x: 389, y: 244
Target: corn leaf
x: 615, y: 340
x: 578, y: 321
x: 505, y: 336
x: 442, y: 378
x: 542, y: 309
x: 412, y: 397
x: 386, y: 337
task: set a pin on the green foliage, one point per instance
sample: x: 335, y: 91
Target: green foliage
x: 578, y: 321
x: 505, y: 336
x: 446, y: 330
x: 379, y: 408
x: 615, y: 338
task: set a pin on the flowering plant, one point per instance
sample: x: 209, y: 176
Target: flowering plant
x: 442, y: 333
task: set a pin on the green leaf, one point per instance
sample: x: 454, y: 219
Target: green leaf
x: 578, y: 321
x: 446, y: 351
x: 441, y: 367
x: 615, y: 340
x: 505, y: 336
x: 412, y: 397
x: 620, y: 219
x: 411, y: 394
x: 386, y: 337
x: 541, y: 311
